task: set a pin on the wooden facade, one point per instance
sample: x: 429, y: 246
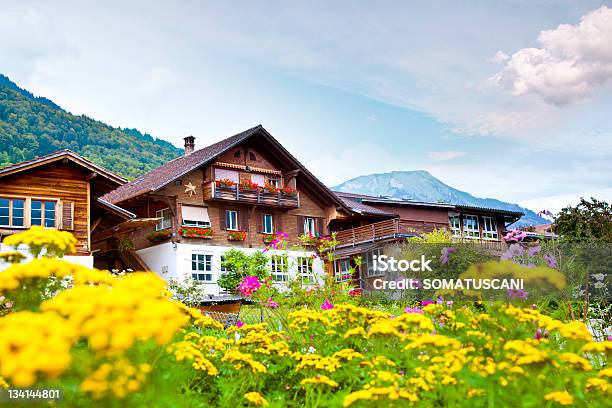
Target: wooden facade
x: 56, y: 191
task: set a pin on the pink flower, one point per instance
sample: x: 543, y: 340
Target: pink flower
x: 239, y: 323
x: 515, y: 235
x: 249, y: 285
x: 412, y: 310
x: 551, y: 261
x: 426, y: 302
x: 445, y: 253
x: 517, y: 294
x: 270, y: 303
x: 540, y: 334
x: 327, y: 305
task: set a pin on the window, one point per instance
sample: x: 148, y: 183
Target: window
x: 455, y: 226
x: 342, y: 270
x: 273, y: 181
x: 470, y: 226
x: 370, y: 262
x: 12, y: 212
x: 489, y: 228
x: 305, y: 270
x: 309, y: 226
x: 42, y: 213
x: 231, y: 220
x: 252, y: 156
x: 237, y: 153
x: 278, y: 266
x: 166, y: 219
x: 195, y: 216
x: 268, y: 224
x: 201, y: 267
x: 223, y: 174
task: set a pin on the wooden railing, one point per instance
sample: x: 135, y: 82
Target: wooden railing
x: 387, y: 229
x: 132, y: 261
x: 259, y: 196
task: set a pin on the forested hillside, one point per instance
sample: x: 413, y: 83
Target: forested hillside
x: 32, y: 126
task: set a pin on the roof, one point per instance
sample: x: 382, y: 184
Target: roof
x: 357, y: 206
x: 176, y: 168
x: 60, y: 155
x: 118, y: 210
x: 362, y: 199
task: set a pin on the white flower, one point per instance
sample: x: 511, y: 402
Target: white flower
x: 599, y: 276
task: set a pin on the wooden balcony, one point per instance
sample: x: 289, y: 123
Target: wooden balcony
x: 385, y: 230
x: 260, y: 196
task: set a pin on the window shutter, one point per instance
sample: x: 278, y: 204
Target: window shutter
x: 320, y: 226
x: 259, y: 217
x: 243, y: 219
x: 222, y: 219
x: 300, y: 225
x: 278, y: 222
x: 67, y: 208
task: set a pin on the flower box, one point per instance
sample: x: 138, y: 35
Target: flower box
x: 288, y: 191
x: 225, y: 183
x: 196, y: 232
x: 268, y: 238
x: 236, y: 236
x: 248, y: 185
x: 158, y: 236
x: 270, y: 188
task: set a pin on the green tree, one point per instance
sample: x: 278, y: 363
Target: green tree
x: 589, y: 221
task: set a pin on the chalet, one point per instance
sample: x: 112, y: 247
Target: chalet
x: 234, y: 193
x: 377, y: 221
x: 59, y: 190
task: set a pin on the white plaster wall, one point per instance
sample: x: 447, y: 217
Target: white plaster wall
x: 85, y: 260
x: 176, y: 258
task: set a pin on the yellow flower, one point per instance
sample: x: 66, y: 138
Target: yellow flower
x: 34, y: 343
x: 375, y: 394
x: 55, y: 242
x: 598, y: 384
x: 320, y: 379
x: 240, y: 359
x: 119, y: 379
x: 576, y: 360
x: 606, y: 372
x: 347, y: 354
x: 3, y: 383
x: 598, y: 346
x: 255, y: 398
x: 329, y: 364
x: 475, y: 392
x: 562, y: 397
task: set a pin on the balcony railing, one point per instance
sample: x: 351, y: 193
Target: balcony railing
x: 385, y: 230
x: 258, y: 196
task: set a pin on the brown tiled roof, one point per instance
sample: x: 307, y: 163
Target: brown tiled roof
x: 361, y: 208
x: 165, y: 174
x: 62, y: 154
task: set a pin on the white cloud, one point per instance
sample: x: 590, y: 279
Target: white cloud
x: 500, y: 57
x: 446, y: 155
x: 573, y: 61
x: 556, y: 202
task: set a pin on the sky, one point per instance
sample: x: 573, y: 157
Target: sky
x: 505, y: 99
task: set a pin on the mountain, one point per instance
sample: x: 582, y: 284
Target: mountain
x: 421, y: 186
x: 31, y: 126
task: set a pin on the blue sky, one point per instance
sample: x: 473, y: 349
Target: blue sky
x: 492, y: 97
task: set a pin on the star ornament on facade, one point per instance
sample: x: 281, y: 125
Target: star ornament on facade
x: 190, y: 189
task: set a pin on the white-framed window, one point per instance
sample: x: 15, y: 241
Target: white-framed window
x: 309, y: 226
x: 12, y: 212
x: 489, y: 228
x: 195, y: 216
x: 268, y: 224
x: 278, y: 267
x: 305, y: 270
x: 369, y: 256
x: 223, y: 174
x: 201, y: 267
x: 42, y: 212
x: 231, y: 220
x: 342, y: 270
x: 166, y: 219
x: 273, y: 181
x: 471, y: 228
x: 455, y: 226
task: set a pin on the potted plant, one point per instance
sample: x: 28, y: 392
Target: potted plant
x: 236, y: 235
x: 289, y: 191
x: 248, y: 185
x: 196, y: 232
x: 158, y: 236
x: 225, y: 183
x: 270, y: 188
x: 125, y: 244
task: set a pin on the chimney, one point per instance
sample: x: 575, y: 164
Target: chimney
x: 189, y: 145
